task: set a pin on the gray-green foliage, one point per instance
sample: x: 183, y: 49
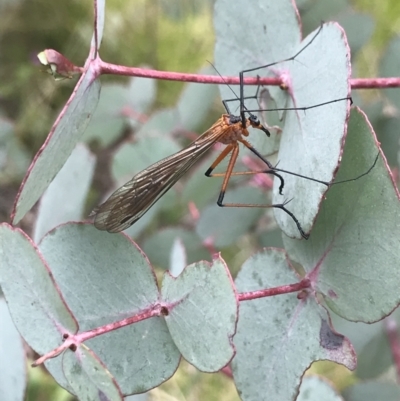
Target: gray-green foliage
x: 78, y: 279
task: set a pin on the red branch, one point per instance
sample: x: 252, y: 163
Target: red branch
x: 270, y: 292
x: 73, y: 340
x: 107, y: 68
x: 375, y: 83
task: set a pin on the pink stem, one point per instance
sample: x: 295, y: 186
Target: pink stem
x: 269, y: 292
x: 73, y: 340
x: 108, y: 68
x: 377, y: 83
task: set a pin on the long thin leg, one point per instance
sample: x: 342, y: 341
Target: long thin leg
x: 224, y: 102
x: 229, y: 173
x: 261, y: 157
x: 276, y: 206
x: 356, y: 178
x: 286, y: 59
x: 231, y: 147
x: 328, y: 184
x: 234, y: 148
x: 273, y: 169
x: 219, y: 159
x: 305, y: 108
x: 241, y: 74
x: 229, y: 170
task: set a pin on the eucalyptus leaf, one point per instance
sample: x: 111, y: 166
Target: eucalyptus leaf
x: 352, y: 243
x: 195, y: 102
x: 12, y: 361
x: 34, y: 299
x: 88, y: 378
x: 64, y: 199
x: 203, y: 318
x: 160, y: 244
x: 285, y: 333
x: 314, y: 388
x: 64, y: 135
x: 372, y: 391
x: 224, y: 225
x: 107, y: 280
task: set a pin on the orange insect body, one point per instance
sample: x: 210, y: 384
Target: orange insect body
x: 233, y: 131
x: 128, y: 203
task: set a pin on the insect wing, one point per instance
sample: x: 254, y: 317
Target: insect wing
x: 131, y: 201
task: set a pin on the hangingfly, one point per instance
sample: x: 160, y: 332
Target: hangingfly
x: 131, y: 201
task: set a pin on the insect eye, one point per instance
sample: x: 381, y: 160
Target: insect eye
x: 254, y: 119
x: 234, y: 119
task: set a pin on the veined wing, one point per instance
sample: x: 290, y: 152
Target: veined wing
x: 131, y: 201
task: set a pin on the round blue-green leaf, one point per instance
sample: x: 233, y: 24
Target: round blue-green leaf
x: 140, y: 356
x: 158, y: 246
x: 33, y: 297
x: 195, y: 101
x: 141, y: 95
x: 108, y: 121
x: 117, y: 104
x: 88, y: 377
x: 12, y: 361
x: 272, y: 33
x: 372, y: 391
x: 374, y: 354
x: 203, y: 314
x: 354, y: 243
x: 283, y: 334
x: 60, y: 203
x: 311, y: 142
x: 64, y: 135
x: 224, y: 225
x: 111, y: 265
x: 177, y: 258
x: 315, y: 388
x: 375, y: 358
x: 272, y: 239
x: 106, y: 278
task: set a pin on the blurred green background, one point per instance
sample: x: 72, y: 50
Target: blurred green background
x: 173, y: 35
